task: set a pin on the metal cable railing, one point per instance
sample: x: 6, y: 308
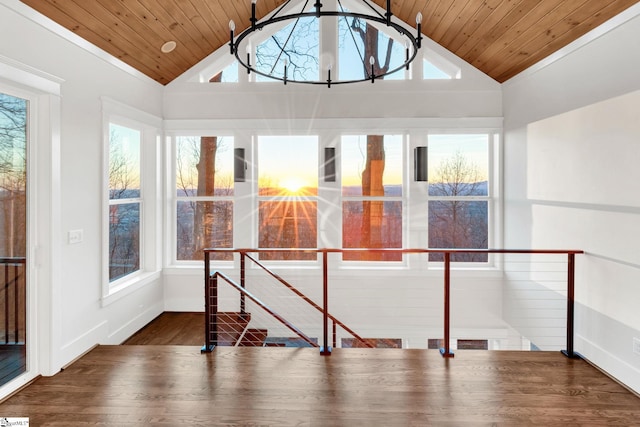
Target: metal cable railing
x: 330, y: 322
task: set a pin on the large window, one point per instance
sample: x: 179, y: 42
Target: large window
x: 372, y: 195
x: 302, y: 60
x: 204, y: 191
x: 458, y: 168
x: 358, y: 42
x: 287, y: 195
x: 125, y: 201
x: 281, y: 203
x: 132, y: 236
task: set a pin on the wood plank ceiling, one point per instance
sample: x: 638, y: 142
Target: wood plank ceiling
x: 499, y: 37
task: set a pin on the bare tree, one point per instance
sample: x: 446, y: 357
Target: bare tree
x: 455, y: 222
x: 204, y: 223
x: 124, y: 218
x: 122, y: 170
x: 297, y: 45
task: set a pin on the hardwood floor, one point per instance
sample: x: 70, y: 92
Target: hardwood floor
x: 171, y: 329
x: 171, y: 385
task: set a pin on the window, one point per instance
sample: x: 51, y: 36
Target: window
x: 458, y: 168
x: 132, y: 237
x: 437, y: 67
x: 473, y: 345
x: 228, y: 75
x: 372, y: 195
x: 434, y: 344
x: 125, y: 201
x: 204, y: 191
x: 375, y: 342
x: 283, y: 202
x: 287, y: 195
x: 302, y: 59
x: 357, y: 39
x: 431, y: 72
x: 388, y: 53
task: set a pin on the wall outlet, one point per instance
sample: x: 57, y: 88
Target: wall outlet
x: 636, y: 346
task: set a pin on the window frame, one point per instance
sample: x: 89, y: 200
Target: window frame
x: 149, y: 126
x: 403, y: 199
x: 175, y: 199
x: 279, y: 198
x: 329, y: 217
x: 491, y: 198
x: 138, y: 201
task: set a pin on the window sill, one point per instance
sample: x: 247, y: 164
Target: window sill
x: 130, y: 286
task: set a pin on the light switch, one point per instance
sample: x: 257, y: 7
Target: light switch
x: 75, y: 236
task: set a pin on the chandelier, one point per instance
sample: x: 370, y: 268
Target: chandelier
x: 280, y: 64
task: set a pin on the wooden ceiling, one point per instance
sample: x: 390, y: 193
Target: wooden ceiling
x: 499, y: 37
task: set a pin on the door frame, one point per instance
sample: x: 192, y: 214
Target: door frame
x: 44, y: 236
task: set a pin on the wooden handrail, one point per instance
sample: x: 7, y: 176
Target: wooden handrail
x: 446, y: 351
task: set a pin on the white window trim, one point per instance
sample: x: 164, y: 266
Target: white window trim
x: 300, y: 264
x: 329, y: 131
x: 172, y: 227
x: 494, y: 235
x: 150, y: 208
x: 403, y: 199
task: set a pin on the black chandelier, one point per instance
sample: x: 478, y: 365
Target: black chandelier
x: 411, y: 43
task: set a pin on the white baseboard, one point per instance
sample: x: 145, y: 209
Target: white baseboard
x: 70, y: 351
x: 618, y: 369
x: 135, y: 324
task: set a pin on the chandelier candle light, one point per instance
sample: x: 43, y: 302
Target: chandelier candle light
x: 378, y: 20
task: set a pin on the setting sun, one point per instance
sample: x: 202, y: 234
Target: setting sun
x: 292, y: 185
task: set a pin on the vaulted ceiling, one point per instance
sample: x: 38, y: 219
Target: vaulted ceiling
x: 499, y: 37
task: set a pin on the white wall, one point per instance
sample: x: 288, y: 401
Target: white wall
x: 80, y: 320
x: 572, y: 132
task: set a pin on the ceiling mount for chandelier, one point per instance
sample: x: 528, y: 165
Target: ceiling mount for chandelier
x: 370, y: 72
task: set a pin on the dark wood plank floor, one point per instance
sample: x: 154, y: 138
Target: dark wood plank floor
x: 143, y: 385
x: 171, y: 328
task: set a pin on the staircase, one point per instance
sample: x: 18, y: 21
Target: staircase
x: 233, y: 330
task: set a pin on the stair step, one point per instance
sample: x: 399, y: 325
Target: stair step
x: 230, y: 327
x: 254, y: 338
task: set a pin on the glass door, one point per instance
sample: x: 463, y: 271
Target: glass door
x: 13, y: 236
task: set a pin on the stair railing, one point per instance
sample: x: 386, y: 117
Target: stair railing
x: 334, y: 320
x: 13, y: 293
x: 211, y: 310
x: 446, y: 350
